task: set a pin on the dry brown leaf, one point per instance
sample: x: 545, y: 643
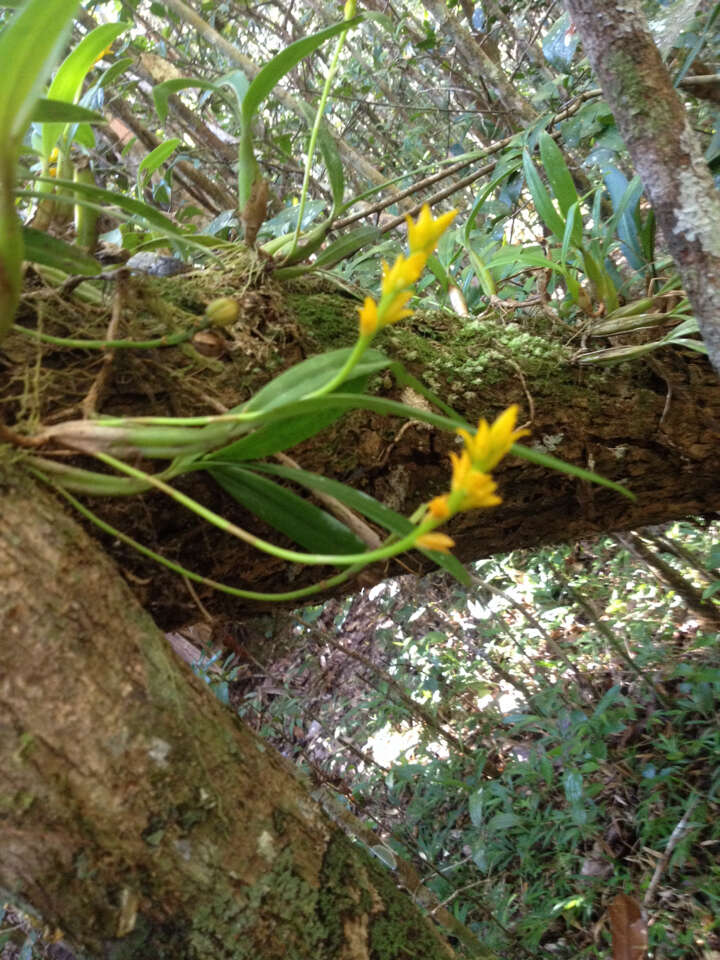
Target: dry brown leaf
x: 628, y: 928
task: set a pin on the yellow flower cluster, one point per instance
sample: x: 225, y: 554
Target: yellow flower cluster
x: 398, y: 279
x: 471, y: 485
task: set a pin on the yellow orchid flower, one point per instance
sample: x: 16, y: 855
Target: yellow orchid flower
x: 425, y: 233
x: 403, y: 273
x: 478, y: 488
x: 490, y: 444
x: 436, y: 541
x: 374, y: 317
x: 398, y: 279
x: 438, y: 507
x: 368, y: 317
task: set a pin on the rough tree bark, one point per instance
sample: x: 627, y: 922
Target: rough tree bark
x: 652, y: 424
x: 134, y: 813
x: 663, y: 147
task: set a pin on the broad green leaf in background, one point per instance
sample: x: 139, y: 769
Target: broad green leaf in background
x: 156, y: 158
x: 331, y: 158
x: 163, y: 91
x: 71, y: 74
x: 557, y: 172
x: 60, y: 111
x: 541, y: 198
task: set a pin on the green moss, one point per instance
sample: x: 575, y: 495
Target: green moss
x: 481, y: 351
x: 277, y: 916
x: 396, y: 932
x: 331, y: 319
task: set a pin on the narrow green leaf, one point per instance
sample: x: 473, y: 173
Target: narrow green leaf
x: 30, y: 45
x: 61, y: 112
x: 482, y: 272
x: 522, y: 257
x: 330, y: 155
x: 157, y: 157
x: 541, y: 198
x: 312, y: 374
x: 163, y: 91
x: 439, y: 272
x: 557, y: 172
x: 281, y: 64
x: 105, y: 199
x: 275, y: 437
x: 285, y: 434
x: 71, y: 74
x: 40, y: 247
x: 366, y: 506
x: 114, y: 71
x: 571, y: 234
x: 286, y: 512
x: 509, y: 166
x: 345, y: 246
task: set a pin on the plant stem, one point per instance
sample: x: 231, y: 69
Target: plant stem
x: 313, y: 137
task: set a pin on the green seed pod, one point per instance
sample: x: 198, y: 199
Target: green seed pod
x: 222, y: 312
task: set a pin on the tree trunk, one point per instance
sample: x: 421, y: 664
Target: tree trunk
x: 651, y: 424
x: 663, y: 147
x: 136, y: 815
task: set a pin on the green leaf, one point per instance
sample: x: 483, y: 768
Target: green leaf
x: 503, y: 821
x: 523, y: 257
x: 572, y: 234
x: 163, y: 91
x: 304, y: 523
x: 135, y: 208
x: 482, y: 272
x: 475, y: 805
x: 345, y: 246
x: 439, y: 272
x: 331, y: 157
x: 557, y: 172
x: 114, y: 71
x: 509, y: 165
x: 543, y: 204
x: 71, y: 74
x: 281, y: 64
x: 286, y: 434
x: 274, y: 437
x: 310, y: 375
x: 60, y: 111
x: 40, y: 247
x: 30, y: 45
x: 156, y: 158
x: 365, y: 505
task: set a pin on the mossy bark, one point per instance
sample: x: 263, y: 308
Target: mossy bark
x: 135, y: 814
x: 652, y: 424
x: 663, y: 146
